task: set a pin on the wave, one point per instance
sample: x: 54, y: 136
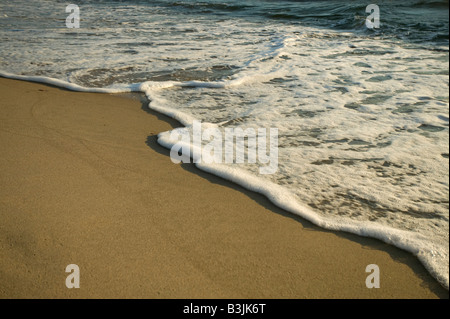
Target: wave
x: 201, y: 5
x: 355, y: 109
x: 417, y: 244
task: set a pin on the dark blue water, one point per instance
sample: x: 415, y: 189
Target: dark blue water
x: 418, y: 21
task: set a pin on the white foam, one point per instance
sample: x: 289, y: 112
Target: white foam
x: 361, y: 120
x: 71, y: 86
x: 427, y: 252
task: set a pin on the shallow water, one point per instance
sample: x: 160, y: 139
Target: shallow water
x: 362, y: 114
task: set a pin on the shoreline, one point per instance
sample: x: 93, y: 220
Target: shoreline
x: 207, y: 245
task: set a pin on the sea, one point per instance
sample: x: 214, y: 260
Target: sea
x: 361, y: 111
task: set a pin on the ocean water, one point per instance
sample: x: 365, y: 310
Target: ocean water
x: 362, y: 114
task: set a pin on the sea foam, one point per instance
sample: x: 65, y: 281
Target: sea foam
x: 362, y: 114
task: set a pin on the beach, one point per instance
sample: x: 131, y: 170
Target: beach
x: 83, y: 181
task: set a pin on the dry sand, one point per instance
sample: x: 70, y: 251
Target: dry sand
x: 83, y: 181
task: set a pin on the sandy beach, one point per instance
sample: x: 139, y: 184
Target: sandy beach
x: 83, y: 181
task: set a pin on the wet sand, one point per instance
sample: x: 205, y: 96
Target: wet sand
x: 83, y: 181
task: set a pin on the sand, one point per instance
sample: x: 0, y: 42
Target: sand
x: 83, y: 181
